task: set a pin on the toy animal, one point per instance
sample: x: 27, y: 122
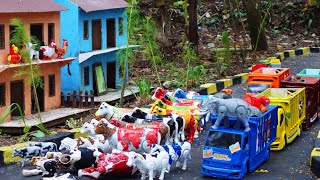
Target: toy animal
x: 48, y: 167
x: 46, y: 147
x: 103, y: 145
x: 179, y: 153
x: 14, y: 56
x: 27, y: 153
x: 138, y: 140
x: 230, y: 107
x: 161, y: 127
x: 59, y: 52
x: 33, y: 53
x: 159, y: 92
x: 113, y: 164
x: 108, y: 111
x: 150, y: 163
x: 176, y: 123
x: 79, y: 158
x: 179, y: 93
x: 188, y: 113
x: 67, y: 144
x: 49, y: 155
x: 48, y: 51
x: 89, y: 128
x: 258, y: 102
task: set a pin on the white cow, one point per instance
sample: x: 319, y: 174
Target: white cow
x: 150, y: 163
x: 179, y: 153
x: 90, y: 128
x: 108, y: 111
x: 103, y: 145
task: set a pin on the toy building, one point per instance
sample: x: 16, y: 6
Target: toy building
x: 41, y: 18
x: 96, y: 31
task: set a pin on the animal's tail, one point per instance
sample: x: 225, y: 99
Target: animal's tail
x: 69, y: 72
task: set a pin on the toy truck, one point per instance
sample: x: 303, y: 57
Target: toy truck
x: 310, y: 72
x: 231, y: 153
x: 291, y: 113
x: 264, y: 78
x: 312, y: 86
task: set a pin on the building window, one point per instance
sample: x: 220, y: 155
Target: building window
x: 85, y: 30
x: 50, y: 32
x: 2, y: 94
x: 86, y: 76
x: 52, y: 85
x: 120, y: 25
x: 36, y: 30
x: 2, y: 42
x: 11, y: 30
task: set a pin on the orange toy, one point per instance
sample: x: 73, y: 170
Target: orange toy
x: 14, y: 56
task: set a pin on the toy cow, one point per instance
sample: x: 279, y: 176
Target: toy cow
x: 138, y: 140
x: 46, y: 147
x: 89, y: 128
x: 113, y: 164
x: 177, y: 153
x: 103, y: 145
x: 175, y: 122
x: 150, y: 163
x: 67, y: 144
x: 79, y: 158
x: 108, y: 111
x: 27, y: 153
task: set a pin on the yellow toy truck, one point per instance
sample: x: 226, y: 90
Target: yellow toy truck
x: 291, y: 113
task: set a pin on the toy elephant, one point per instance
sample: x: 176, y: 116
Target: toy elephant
x: 230, y: 108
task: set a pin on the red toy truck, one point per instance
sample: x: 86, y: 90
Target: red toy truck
x: 312, y: 86
x: 264, y: 78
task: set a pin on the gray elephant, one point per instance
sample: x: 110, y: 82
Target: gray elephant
x: 229, y: 108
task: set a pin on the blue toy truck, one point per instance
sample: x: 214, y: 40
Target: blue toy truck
x: 231, y: 152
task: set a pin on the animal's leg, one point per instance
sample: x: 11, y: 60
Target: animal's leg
x: 143, y: 176
x: 178, y: 164
x: 163, y: 170
x: 183, y: 136
x: 176, y: 132
x: 168, y: 168
x: 151, y: 174
x: 241, y: 115
x: 186, y: 155
x: 221, y: 114
x: 226, y: 122
x: 191, y: 131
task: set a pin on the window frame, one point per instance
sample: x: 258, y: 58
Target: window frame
x: 4, y: 94
x: 86, y: 29
x: 86, y: 76
x: 52, y: 89
x: 3, y: 46
x: 53, y: 32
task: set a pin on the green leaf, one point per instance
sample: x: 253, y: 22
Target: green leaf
x: 26, y: 129
x: 310, y: 23
x: 10, y: 109
x: 38, y: 134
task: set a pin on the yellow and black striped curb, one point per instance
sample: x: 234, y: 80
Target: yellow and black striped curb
x: 214, y: 87
x: 6, y: 151
x: 315, y: 157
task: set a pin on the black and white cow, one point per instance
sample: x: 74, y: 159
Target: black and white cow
x: 48, y: 167
x: 27, y: 152
x: 46, y: 147
x: 175, y: 122
x: 80, y: 158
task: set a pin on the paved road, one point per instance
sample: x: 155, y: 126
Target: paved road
x: 290, y: 163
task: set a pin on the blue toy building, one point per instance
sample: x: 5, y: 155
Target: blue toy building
x: 96, y: 30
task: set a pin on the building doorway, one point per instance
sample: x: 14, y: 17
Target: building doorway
x: 98, y: 82
x: 17, y: 96
x: 111, y: 75
x: 96, y: 35
x: 111, y: 33
x: 40, y: 95
x: 37, y: 31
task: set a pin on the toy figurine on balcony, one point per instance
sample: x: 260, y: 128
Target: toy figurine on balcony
x: 14, y: 56
x: 48, y: 51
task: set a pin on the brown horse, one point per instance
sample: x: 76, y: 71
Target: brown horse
x: 138, y: 140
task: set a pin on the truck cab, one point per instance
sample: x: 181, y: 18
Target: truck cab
x: 226, y: 151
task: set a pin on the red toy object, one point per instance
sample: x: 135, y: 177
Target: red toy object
x: 113, y: 164
x: 258, y: 66
x: 259, y: 102
x: 48, y: 51
x: 14, y: 57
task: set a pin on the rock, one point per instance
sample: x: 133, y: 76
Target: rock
x: 313, y: 35
x: 170, y: 84
x: 211, y: 45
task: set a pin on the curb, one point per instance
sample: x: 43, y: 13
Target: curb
x: 6, y: 151
x: 315, y: 157
x: 211, y: 88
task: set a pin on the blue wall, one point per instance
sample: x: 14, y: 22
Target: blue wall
x: 72, y: 30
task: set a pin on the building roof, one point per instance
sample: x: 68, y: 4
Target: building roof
x: 23, y: 6
x: 96, y: 5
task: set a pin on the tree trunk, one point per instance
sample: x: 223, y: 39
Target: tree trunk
x: 258, y: 37
x: 192, y: 31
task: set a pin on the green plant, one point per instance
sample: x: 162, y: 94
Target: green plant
x: 227, y: 52
x: 144, y: 86
x: 31, y: 72
x: 196, y: 74
x: 219, y: 60
x: 74, y: 123
x: 152, y: 49
x: 190, y: 58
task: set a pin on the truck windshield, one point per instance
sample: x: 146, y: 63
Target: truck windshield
x: 222, y: 139
x: 257, y: 88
